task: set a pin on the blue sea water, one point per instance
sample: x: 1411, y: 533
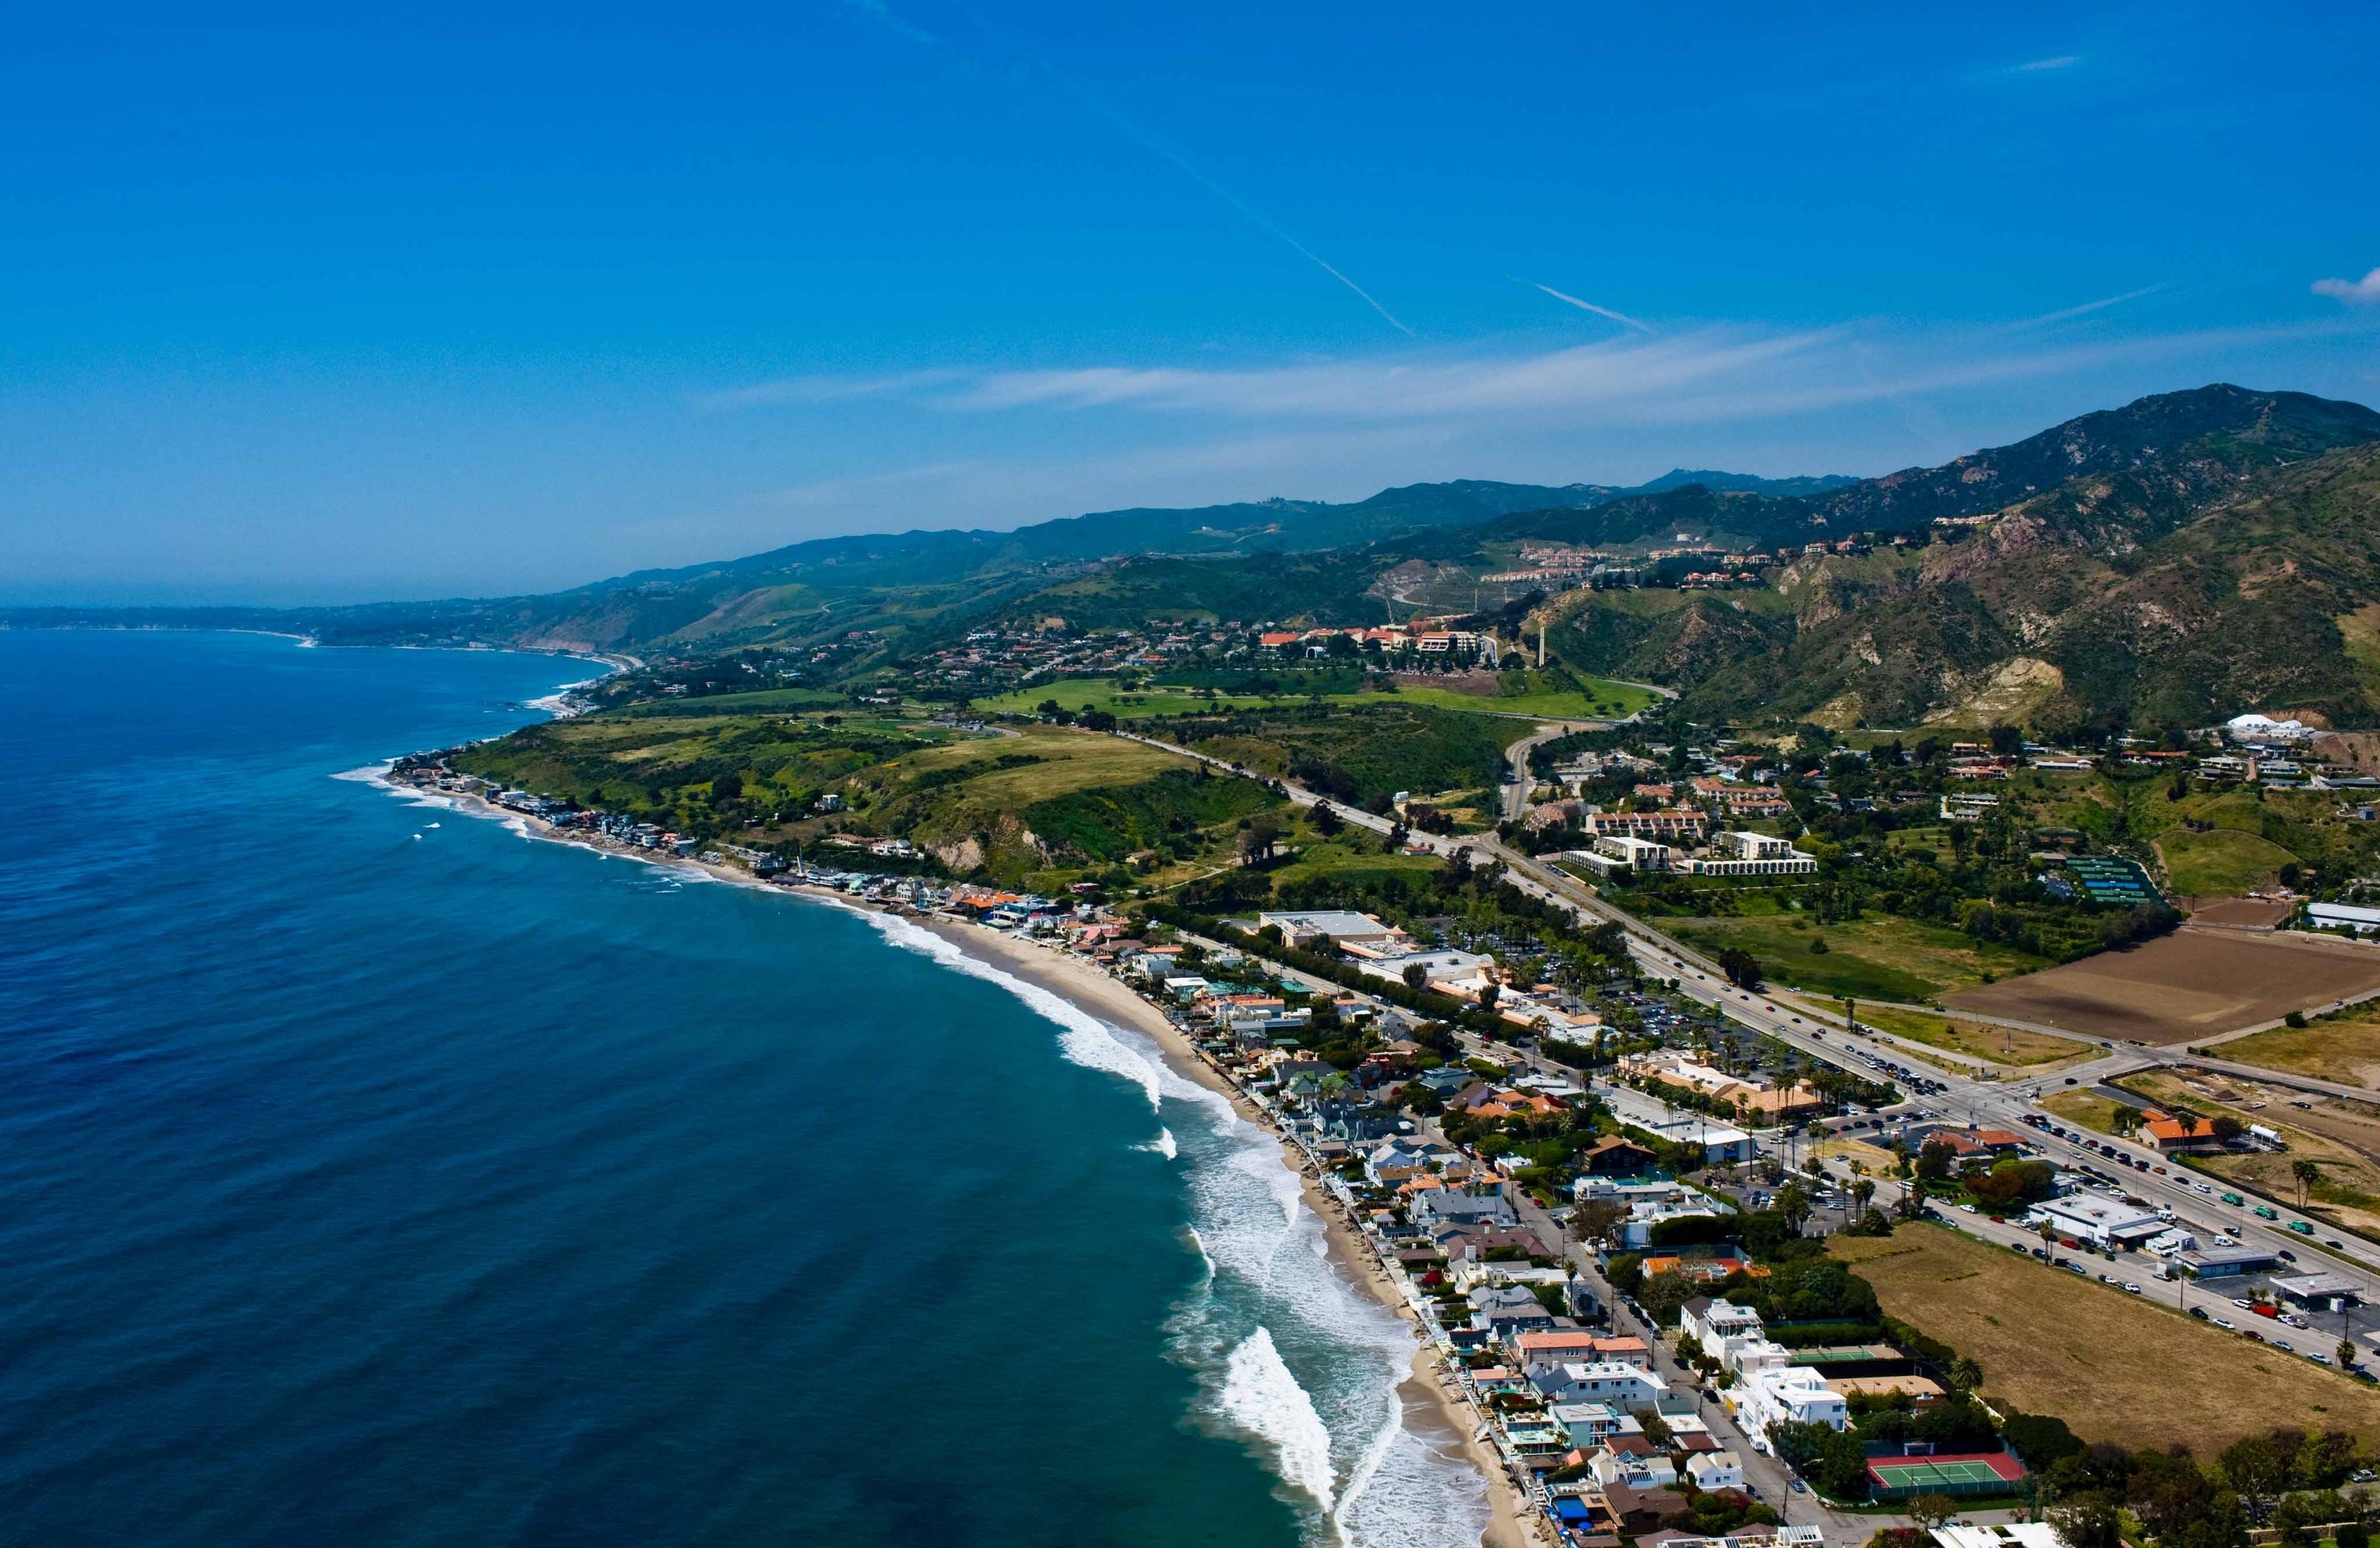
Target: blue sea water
x: 368, y: 1175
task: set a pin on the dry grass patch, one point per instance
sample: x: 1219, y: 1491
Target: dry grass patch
x: 2115, y: 1367
x: 1979, y: 1039
x: 2345, y: 1048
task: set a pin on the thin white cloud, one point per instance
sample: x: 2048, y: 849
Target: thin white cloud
x: 1403, y: 386
x: 1711, y: 375
x: 2354, y: 292
x: 2087, y: 308
x: 828, y: 389
x: 2054, y: 62
x: 1589, y: 306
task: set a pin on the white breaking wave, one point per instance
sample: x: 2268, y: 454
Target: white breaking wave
x: 1163, y: 1144
x: 1261, y: 1396
x: 1083, y: 1038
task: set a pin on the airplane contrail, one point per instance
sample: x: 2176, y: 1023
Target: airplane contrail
x: 1256, y: 217
x: 1590, y: 306
x: 2089, y: 307
x: 1155, y: 147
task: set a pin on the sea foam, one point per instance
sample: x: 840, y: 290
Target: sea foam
x: 1260, y: 1394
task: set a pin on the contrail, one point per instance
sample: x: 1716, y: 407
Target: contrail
x: 2089, y: 307
x: 1154, y: 146
x: 1590, y: 306
x: 1256, y: 217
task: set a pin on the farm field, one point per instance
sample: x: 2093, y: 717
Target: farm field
x: 1879, y: 959
x: 2183, y: 987
x: 2344, y: 1047
x: 2055, y: 1342
x: 2001, y: 1046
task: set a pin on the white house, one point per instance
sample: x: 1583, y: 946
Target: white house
x: 1715, y: 1470
x: 1614, y: 1383
x: 1650, y: 1470
x: 1707, y: 1321
x: 1591, y: 1424
x: 1794, y: 1393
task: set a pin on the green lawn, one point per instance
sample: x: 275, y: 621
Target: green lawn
x: 1601, y: 701
x: 1102, y: 693
x: 2222, y: 862
x: 1340, y: 861
x: 1872, y: 960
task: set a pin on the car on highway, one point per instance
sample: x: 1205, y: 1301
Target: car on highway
x: 2243, y: 1302
x: 2199, y: 1312
x: 2226, y: 1324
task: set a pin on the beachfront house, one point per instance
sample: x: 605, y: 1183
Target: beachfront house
x: 1448, y: 1206
x: 1612, y: 1381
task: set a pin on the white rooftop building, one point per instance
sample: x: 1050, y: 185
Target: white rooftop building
x: 2100, y: 1219
x: 1788, y: 1393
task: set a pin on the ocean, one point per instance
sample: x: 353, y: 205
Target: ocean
x: 369, y: 1174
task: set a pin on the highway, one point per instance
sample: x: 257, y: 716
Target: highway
x: 1820, y: 1034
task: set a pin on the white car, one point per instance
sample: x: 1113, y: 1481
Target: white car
x: 2225, y: 1323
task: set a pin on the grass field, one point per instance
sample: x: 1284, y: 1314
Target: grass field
x: 2093, y: 1113
x: 1602, y: 700
x: 1338, y: 860
x: 2182, y: 987
x: 2220, y: 863
x: 1870, y: 960
x: 2115, y: 1367
x: 2004, y: 1045
x: 1103, y: 693
x: 2343, y: 1047
x: 1071, y: 761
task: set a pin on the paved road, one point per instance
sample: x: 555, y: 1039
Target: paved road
x: 1819, y: 1032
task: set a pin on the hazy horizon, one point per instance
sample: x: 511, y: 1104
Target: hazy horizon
x: 316, y: 309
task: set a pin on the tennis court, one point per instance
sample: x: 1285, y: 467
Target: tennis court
x: 1902, y: 1477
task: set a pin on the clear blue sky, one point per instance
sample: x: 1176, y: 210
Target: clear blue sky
x: 302, y: 306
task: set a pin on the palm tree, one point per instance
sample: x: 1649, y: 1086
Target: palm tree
x: 2307, y: 1173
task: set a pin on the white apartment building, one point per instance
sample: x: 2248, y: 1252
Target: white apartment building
x: 1739, y: 853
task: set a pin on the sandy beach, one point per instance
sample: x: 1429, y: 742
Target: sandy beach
x: 1433, y: 1411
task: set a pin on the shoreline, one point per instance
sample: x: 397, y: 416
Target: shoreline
x: 1434, y: 1410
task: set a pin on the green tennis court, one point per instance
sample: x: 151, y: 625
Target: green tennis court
x: 1899, y: 1478
x: 1936, y: 1475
